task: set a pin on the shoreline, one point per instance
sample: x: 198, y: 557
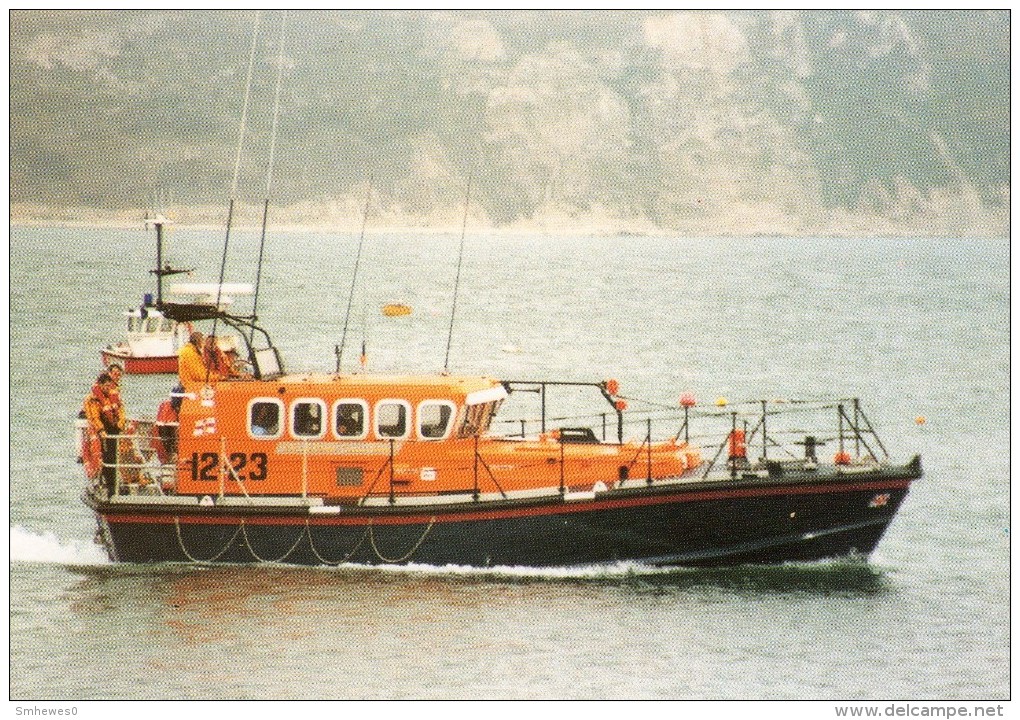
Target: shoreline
x: 840, y: 224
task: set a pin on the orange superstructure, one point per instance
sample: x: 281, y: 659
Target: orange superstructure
x: 348, y: 437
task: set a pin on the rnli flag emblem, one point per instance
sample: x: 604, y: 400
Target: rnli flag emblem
x: 205, y: 427
x: 879, y: 500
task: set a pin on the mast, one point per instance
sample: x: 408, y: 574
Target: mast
x: 161, y: 270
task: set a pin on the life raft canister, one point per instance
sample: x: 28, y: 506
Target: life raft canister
x: 738, y: 447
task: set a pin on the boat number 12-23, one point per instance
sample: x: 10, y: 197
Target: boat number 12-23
x: 205, y: 466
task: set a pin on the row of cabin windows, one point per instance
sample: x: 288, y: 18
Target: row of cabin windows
x: 349, y: 419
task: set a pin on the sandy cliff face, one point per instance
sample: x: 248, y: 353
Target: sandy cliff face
x: 700, y: 122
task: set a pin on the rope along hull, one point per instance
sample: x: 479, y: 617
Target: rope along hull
x: 741, y: 522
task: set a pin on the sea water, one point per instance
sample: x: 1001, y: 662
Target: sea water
x: 918, y: 329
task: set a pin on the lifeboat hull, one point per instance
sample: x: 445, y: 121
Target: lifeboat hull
x: 801, y: 517
x: 140, y: 365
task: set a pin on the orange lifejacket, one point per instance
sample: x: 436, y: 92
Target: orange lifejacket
x: 105, y: 411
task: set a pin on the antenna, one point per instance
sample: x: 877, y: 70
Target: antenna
x: 244, y: 110
x: 237, y: 161
x: 456, y: 282
x: 269, y: 175
x: 354, y: 276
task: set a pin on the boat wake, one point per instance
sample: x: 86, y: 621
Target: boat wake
x: 851, y: 575
x: 583, y: 572
x: 841, y: 576
x: 33, y: 547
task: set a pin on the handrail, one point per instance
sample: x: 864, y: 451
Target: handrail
x: 784, y: 409
x: 224, y: 463
x: 378, y: 474
x: 137, y: 461
x: 541, y: 385
x: 138, y: 454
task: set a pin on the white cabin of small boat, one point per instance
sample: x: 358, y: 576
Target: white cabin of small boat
x: 151, y: 334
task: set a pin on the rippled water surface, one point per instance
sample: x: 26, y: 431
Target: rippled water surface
x: 912, y: 327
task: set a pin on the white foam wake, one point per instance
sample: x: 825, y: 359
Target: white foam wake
x: 28, y: 546
x: 619, y: 569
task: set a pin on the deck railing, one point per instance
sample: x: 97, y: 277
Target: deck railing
x: 771, y: 427
x: 143, y: 460
x: 147, y: 464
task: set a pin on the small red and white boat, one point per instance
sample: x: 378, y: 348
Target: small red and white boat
x: 152, y: 339
x: 151, y: 344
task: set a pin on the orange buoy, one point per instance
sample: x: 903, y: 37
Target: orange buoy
x: 612, y: 387
x: 621, y: 405
x: 687, y: 400
x: 920, y: 420
x: 396, y: 310
x: 842, y: 458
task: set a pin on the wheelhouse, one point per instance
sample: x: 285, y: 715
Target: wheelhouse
x: 307, y: 434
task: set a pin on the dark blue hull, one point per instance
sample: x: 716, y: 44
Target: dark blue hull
x: 810, y: 517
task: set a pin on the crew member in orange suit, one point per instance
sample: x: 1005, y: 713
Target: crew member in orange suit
x: 191, y: 367
x: 106, y: 417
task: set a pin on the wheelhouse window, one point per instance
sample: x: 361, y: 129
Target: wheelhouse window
x: 307, y: 418
x: 477, y: 418
x: 392, y: 419
x: 434, y: 419
x: 350, y: 418
x: 264, y: 417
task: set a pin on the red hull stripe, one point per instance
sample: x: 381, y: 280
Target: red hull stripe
x: 161, y: 365
x: 182, y: 515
